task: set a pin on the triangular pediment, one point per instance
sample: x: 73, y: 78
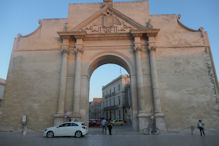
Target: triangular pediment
x: 108, y: 20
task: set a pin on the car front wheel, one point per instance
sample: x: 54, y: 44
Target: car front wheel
x: 50, y: 134
x: 78, y: 134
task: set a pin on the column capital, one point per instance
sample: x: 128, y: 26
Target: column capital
x: 152, y: 48
x: 137, y: 48
x: 137, y: 44
x: 64, y: 49
x: 152, y: 44
x: 76, y: 50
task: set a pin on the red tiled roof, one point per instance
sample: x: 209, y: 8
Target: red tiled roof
x: 97, y: 99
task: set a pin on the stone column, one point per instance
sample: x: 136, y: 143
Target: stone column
x: 59, y: 117
x: 160, y: 123
x: 134, y: 103
x: 78, y: 50
x: 142, y: 116
x: 85, y: 98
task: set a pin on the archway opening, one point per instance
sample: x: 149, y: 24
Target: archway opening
x: 109, y: 92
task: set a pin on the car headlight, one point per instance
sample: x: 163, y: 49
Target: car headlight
x: 45, y: 130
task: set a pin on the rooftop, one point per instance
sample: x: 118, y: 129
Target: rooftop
x: 97, y: 100
x: 2, y: 81
x: 118, y: 78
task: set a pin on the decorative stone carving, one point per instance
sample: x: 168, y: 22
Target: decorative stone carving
x: 149, y: 25
x: 152, y: 48
x: 152, y: 44
x: 64, y: 49
x: 137, y: 48
x: 108, y: 23
x: 75, y: 50
x: 65, y: 27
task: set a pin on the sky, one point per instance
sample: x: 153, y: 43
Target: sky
x: 21, y: 16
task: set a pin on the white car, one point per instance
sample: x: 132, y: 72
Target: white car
x: 76, y: 129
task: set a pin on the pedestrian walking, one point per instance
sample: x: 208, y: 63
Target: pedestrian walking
x: 200, y: 126
x: 110, y: 126
x: 103, y: 124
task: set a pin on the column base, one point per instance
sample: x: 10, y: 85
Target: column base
x: 58, y: 119
x: 75, y: 117
x: 160, y: 122
x: 144, y: 120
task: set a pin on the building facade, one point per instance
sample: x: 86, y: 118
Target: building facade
x: 95, y: 109
x: 116, y: 99
x: 170, y: 66
x: 2, y: 88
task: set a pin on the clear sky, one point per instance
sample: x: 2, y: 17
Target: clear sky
x: 21, y: 16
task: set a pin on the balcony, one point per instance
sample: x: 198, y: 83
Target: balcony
x: 111, y: 107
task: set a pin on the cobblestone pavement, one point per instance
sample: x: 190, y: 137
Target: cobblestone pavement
x: 121, y: 137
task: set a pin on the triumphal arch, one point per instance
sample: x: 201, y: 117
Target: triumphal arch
x: 170, y: 66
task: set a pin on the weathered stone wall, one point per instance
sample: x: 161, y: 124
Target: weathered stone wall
x: 188, y: 90
x: 32, y: 90
x: 33, y: 78
x: 185, y: 88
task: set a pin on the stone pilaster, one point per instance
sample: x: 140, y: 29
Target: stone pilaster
x: 160, y: 123
x: 84, y: 98
x: 59, y: 117
x: 78, y: 50
x: 134, y: 103
x: 142, y: 116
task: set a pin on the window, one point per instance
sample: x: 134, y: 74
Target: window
x: 119, y: 87
x: 73, y: 124
x: 65, y: 125
x: 119, y: 99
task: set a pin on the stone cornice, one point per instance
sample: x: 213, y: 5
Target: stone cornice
x: 148, y: 32
x: 101, y: 36
x: 75, y: 34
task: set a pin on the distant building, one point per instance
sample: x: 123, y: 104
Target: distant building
x: 95, y: 108
x: 2, y: 87
x: 116, y: 99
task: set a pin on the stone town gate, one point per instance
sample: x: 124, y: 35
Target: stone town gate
x: 170, y: 66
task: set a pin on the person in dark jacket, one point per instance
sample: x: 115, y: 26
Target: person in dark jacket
x: 200, y: 126
x: 109, y: 126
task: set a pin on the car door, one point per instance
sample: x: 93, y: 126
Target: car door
x: 62, y: 130
x: 74, y: 127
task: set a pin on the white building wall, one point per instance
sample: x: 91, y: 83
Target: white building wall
x: 113, y: 97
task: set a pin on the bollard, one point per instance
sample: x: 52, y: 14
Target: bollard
x: 24, y: 124
x: 192, y: 129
